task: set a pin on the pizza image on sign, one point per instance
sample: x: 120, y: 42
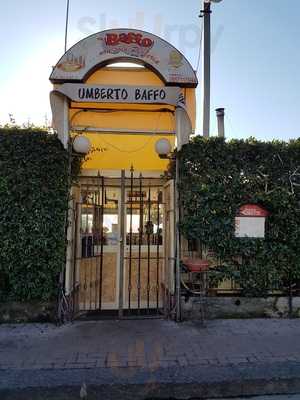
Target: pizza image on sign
x: 72, y: 64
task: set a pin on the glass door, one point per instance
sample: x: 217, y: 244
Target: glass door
x: 144, y: 258
x: 120, y: 261
x: 97, y: 266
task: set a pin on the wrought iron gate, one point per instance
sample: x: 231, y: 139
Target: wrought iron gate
x: 119, y: 263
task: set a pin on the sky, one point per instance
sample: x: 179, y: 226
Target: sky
x: 255, y: 55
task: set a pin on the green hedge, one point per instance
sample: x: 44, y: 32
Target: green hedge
x: 33, y: 204
x: 216, y: 178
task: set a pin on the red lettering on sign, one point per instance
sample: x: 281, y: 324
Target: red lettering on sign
x: 111, y: 39
x: 252, y: 210
x: 114, y: 39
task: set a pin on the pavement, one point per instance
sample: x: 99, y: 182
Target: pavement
x: 274, y: 397
x: 147, y: 359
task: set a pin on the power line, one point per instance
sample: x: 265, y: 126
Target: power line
x: 200, y: 47
x: 67, y: 25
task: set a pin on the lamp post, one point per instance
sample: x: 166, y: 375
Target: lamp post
x: 205, y: 14
x: 81, y: 145
x: 163, y: 148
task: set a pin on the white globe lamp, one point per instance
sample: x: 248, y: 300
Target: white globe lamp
x: 163, y: 148
x: 82, y: 145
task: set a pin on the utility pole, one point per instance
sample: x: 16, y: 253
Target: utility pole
x: 205, y: 14
x: 206, y: 55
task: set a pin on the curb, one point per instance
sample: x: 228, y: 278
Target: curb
x: 163, y: 383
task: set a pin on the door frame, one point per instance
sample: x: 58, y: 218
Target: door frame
x: 119, y: 305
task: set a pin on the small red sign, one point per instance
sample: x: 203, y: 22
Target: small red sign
x: 252, y: 210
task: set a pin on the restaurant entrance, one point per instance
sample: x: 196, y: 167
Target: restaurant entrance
x: 119, y: 263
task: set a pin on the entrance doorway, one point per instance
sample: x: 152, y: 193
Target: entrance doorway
x: 119, y: 263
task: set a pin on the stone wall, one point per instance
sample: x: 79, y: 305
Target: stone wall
x: 214, y: 307
x: 15, y: 312
x: 240, y: 307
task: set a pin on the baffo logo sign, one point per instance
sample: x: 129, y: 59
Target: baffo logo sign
x: 117, y: 45
x: 132, y: 44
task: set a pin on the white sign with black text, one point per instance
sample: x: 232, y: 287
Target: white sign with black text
x: 120, y: 94
x: 250, y: 221
x: 249, y: 227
